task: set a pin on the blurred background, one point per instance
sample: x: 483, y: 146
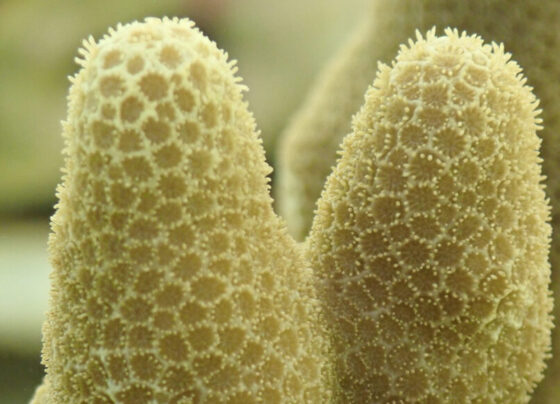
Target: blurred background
x: 279, y: 45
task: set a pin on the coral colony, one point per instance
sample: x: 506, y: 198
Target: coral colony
x: 424, y: 278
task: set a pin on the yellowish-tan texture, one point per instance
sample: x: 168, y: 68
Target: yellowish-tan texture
x: 173, y: 279
x: 530, y: 30
x: 431, y: 240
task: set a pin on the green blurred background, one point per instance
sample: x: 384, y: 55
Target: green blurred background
x: 279, y: 45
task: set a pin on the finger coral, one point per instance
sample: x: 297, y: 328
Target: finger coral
x: 430, y: 240
x: 173, y: 279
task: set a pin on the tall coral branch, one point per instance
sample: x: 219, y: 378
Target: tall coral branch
x: 431, y: 241
x: 173, y: 279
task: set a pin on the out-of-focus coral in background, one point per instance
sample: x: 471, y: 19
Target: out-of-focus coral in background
x: 279, y: 46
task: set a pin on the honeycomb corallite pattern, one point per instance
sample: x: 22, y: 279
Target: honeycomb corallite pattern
x: 173, y: 280
x: 430, y: 242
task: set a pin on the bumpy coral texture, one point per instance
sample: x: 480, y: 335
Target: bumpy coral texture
x: 431, y: 239
x: 173, y: 282
x: 530, y: 30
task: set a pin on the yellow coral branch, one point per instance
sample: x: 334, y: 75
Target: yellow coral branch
x: 173, y: 279
x: 431, y: 241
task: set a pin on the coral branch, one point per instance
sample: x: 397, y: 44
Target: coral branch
x: 431, y: 241
x: 530, y: 31
x: 173, y: 279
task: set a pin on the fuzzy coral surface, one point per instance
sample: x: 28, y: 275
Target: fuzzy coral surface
x: 530, y: 30
x: 431, y: 238
x: 173, y: 281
